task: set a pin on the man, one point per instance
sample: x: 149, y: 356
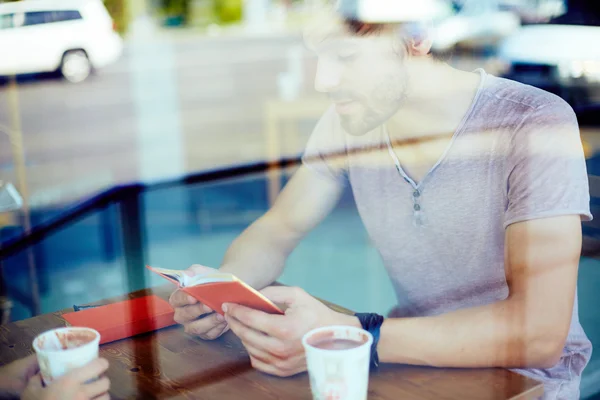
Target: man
x: 471, y: 187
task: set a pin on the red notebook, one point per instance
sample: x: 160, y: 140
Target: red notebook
x: 124, y: 319
x: 216, y: 288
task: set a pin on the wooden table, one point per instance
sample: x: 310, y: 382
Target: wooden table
x: 171, y: 364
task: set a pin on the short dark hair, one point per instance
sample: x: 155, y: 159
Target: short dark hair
x: 361, y: 28
x: 442, y: 55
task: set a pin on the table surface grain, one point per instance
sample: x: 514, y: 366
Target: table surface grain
x: 171, y: 364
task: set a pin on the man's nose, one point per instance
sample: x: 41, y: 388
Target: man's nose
x: 328, y: 77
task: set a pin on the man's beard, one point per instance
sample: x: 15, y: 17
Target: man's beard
x: 371, y: 118
x: 389, y: 96
x: 361, y: 124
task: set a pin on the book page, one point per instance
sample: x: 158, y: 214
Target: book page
x: 210, y: 277
x: 177, y: 275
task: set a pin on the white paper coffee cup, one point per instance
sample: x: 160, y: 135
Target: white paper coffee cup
x: 62, y: 350
x: 338, y: 359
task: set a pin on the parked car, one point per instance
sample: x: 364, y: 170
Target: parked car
x: 562, y: 56
x: 72, y: 37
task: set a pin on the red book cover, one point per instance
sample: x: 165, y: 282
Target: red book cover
x: 125, y: 318
x: 216, y: 288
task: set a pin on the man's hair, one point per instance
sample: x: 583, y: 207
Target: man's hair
x: 361, y: 28
x: 405, y: 31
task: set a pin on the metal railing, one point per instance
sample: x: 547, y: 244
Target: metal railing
x: 128, y: 200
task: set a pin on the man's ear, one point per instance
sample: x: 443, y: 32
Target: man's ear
x: 419, y: 46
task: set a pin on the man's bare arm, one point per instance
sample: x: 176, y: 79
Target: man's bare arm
x: 258, y: 255
x: 528, y: 329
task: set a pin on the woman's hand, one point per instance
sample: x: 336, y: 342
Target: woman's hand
x: 14, y: 376
x: 72, y: 386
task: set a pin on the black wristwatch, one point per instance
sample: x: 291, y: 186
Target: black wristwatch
x: 371, y: 323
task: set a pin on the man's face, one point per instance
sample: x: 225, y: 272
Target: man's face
x: 365, y: 76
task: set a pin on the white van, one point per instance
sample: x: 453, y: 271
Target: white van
x: 68, y: 36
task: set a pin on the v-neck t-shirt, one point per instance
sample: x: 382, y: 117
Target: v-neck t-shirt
x: 516, y: 156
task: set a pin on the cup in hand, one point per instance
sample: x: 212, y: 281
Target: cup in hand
x: 338, y: 359
x: 62, y: 350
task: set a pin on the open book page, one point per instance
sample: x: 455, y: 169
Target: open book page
x: 177, y: 275
x: 185, y: 280
x: 211, y: 277
x: 215, y: 288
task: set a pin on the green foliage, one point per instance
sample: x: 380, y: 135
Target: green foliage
x: 202, y: 11
x: 229, y: 11
x: 119, y: 13
x: 173, y: 8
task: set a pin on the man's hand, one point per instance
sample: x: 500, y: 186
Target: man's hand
x: 274, y: 342
x: 14, y: 376
x: 197, y: 318
x: 72, y: 386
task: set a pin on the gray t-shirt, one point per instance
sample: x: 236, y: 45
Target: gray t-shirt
x: 516, y: 156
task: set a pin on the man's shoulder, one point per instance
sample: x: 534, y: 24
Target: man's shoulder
x: 508, y: 94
